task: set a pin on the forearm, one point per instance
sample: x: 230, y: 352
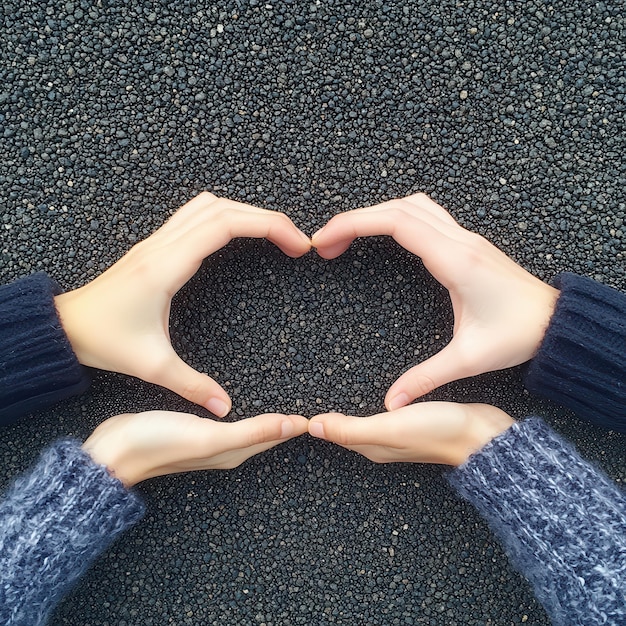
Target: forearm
x: 562, y: 521
x: 54, y: 522
x: 581, y: 362
x: 37, y: 364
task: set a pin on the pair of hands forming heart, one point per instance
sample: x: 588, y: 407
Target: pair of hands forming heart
x: 120, y: 322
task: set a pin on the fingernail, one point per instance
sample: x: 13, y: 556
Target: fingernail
x: 398, y: 401
x: 286, y: 429
x: 319, y: 232
x: 317, y: 430
x: 217, y: 407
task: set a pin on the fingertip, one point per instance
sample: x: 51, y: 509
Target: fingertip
x: 397, y: 401
x: 317, y: 424
x: 317, y: 234
x: 332, y: 251
x: 299, y: 423
x: 325, y: 254
x: 218, y: 406
x: 316, y: 429
x: 297, y: 247
x: 197, y: 387
x: 296, y: 253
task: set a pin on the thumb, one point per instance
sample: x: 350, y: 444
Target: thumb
x: 347, y: 430
x: 263, y: 431
x: 235, y: 442
x: 176, y: 375
x: 444, y: 367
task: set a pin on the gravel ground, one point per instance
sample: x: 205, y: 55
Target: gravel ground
x: 510, y: 114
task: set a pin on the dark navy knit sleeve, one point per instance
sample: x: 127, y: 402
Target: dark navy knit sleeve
x: 561, y: 520
x: 54, y: 522
x: 37, y: 364
x: 581, y: 362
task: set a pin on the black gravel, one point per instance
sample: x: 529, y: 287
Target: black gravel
x: 510, y: 114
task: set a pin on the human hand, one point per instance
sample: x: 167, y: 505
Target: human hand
x: 426, y: 432
x: 501, y: 312
x: 120, y: 321
x: 138, y: 446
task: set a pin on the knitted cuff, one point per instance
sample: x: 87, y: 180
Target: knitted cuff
x: 54, y: 521
x: 37, y: 364
x: 562, y: 521
x: 581, y: 362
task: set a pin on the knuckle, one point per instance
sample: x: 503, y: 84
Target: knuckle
x: 281, y: 217
x: 337, y: 219
x: 191, y: 390
x: 342, y: 436
x: 424, y: 384
x: 259, y: 434
x: 474, y: 247
x: 207, y: 196
x: 278, y: 221
x: 468, y: 354
x: 396, y: 213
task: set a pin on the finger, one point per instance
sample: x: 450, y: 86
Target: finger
x: 264, y: 431
x: 349, y: 431
x: 207, y: 223
x: 174, y: 374
x: 420, y: 236
x: 233, y: 443
x: 273, y: 226
x: 194, y: 443
x: 189, y: 210
x: 423, y: 203
x: 333, y: 251
x: 418, y: 205
x: 444, y: 367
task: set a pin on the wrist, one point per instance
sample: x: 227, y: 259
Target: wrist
x: 486, y: 423
x: 544, y: 302
x: 67, y: 306
x: 107, y: 447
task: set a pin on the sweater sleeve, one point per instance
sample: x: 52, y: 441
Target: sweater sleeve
x: 562, y: 521
x: 581, y: 362
x: 37, y: 364
x: 54, y: 522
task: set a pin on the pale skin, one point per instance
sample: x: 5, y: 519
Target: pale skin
x: 447, y: 433
x: 501, y: 313
x: 138, y: 446
x: 120, y: 321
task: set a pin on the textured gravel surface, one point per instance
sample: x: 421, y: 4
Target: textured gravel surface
x: 510, y: 114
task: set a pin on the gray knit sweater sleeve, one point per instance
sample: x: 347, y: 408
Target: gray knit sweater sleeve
x: 54, y: 521
x: 561, y: 520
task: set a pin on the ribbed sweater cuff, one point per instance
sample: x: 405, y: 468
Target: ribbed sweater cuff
x: 54, y: 522
x: 562, y: 521
x: 581, y: 362
x: 37, y: 364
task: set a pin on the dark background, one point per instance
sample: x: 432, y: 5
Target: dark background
x: 111, y: 116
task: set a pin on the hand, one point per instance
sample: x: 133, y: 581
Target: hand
x: 120, y: 321
x: 137, y: 446
x: 501, y: 312
x: 426, y: 432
